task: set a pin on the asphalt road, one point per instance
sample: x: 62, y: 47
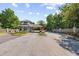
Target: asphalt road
x: 34, y: 45
x: 6, y: 37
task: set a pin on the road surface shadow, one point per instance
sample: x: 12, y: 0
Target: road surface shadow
x: 69, y: 43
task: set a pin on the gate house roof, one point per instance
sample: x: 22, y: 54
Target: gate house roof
x: 28, y: 23
x: 31, y: 25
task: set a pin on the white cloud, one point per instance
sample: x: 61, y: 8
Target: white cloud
x: 30, y: 13
x: 58, y: 11
x: 53, y: 13
x: 50, y: 6
x: 37, y: 13
x: 15, y: 5
x: 45, y: 15
x: 27, y: 5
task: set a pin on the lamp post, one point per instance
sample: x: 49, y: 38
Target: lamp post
x: 74, y: 27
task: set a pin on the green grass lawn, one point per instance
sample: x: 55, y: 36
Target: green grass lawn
x: 19, y: 33
x: 2, y: 33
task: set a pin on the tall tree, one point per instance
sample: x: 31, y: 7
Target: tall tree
x: 54, y: 22
x: 0, y: 17
x: 41, y: 22
x: 70, y: 14
x: 49, y: 22
x: 57, y: 21
x: 9, y: 19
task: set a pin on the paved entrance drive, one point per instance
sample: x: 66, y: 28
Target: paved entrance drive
x: 34, y: 45
x: 6, y: 37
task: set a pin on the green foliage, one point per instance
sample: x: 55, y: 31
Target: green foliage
x: 67, y: 18
x: 70, y: 15
x: 41, y: 22
x: 54, y: 21
x: 49, y: 22
x: 8, y: 19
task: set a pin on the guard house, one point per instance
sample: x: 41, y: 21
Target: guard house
x: 29, y: 26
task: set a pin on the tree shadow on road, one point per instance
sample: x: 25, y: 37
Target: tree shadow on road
x: 70, y: 44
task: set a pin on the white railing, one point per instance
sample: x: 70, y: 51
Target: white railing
x: 65, y: 30
x: 9, y: 30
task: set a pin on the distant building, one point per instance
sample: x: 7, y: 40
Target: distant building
x: 28, y: 26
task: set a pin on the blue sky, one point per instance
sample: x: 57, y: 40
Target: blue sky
x: 32, y: 11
